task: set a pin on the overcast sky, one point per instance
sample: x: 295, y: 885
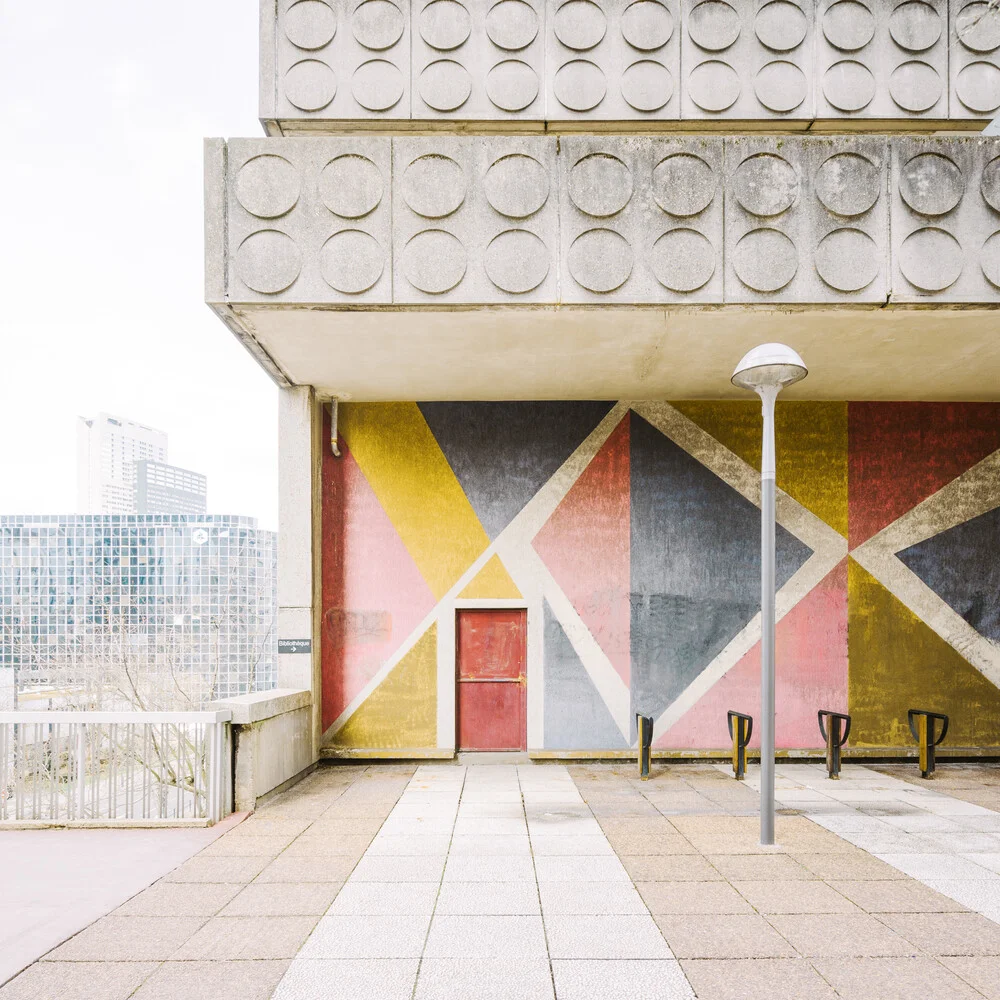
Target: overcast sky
x: 105, y: 106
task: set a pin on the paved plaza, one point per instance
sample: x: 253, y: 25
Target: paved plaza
x: 573, y: 882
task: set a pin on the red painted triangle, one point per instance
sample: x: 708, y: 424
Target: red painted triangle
x: 373, y: 593
x: 810, y: 652
x: 901, y: 453
x: 585, y: 545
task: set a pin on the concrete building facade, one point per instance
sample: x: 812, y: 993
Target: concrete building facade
x: 502, y: 259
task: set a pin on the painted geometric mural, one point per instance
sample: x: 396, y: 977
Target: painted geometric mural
x: 630, y: 532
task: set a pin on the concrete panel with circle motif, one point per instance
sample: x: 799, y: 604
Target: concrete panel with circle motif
x: 882, y: 59
x: 475, y: 220
x: 612, y: 60
x: 975, y: 59
x: 309, y: 221
x: 747, y: 60
x: 945, y: 220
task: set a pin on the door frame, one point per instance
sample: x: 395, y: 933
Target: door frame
x: 448, y: 666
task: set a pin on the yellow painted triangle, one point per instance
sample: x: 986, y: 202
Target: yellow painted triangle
x: 401, y: 713
x: 896, y: 662
x: 811, y: 445
x: 491, y: 582
x: 416, y: 487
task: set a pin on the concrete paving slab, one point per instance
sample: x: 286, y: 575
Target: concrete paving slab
x: 484, y: 979
x: 567, y: 898
x: 386, y: 898
x: 580, y: 868
x: 127, y: 939
x: 982, y: 974
x: 692, y: 897
x: 893, y: 979
x: 722, y: 936
x: 851, y: 935
x: 605, y: 937
x: 489, y: 868
x: 225, y: 939
x: 489, y: 898
x: 621, y: 979
x: 248, y: 980
x: 349, y: 979
x: 761, y: 979
x: 78, y: 980
x: 282, y: 899
x: 367, y: 936
x: 947, y: 933
x: 486, y: 937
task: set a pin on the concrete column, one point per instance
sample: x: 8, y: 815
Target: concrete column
x: 299, y: 455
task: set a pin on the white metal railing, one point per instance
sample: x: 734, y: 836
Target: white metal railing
x: 107, y: 768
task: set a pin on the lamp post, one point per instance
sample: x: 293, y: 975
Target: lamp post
x: 767, y: 370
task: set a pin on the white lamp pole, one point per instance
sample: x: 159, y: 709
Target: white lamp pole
x: 767, y: 370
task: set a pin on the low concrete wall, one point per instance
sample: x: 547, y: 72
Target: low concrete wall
x: 272, y: 742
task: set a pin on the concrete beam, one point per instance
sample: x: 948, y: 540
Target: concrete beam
x: 532, y: 65
x: 437, y: 221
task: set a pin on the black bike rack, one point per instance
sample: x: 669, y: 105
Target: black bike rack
x: 644, y: 724
x: 922, y: 725
x: 740, y: 734
x: 834, y: 727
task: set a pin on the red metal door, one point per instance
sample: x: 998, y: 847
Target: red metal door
x: 491, y: 653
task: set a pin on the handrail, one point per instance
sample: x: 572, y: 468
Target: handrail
x: 42, y: 717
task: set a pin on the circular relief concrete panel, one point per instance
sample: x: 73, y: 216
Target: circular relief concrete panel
x: 516, y: 185
x: 433, y: 185
x: 989, y: 260
x: 351, y: 261
x: 600, y: 260
x: 647, y: 85
x: 978, y: 27
x: 714, y: 25
x: 847, y: 260
x: 580, y: 24
x: 849, y: 86
x: 848, y: 25
x: 267, y: 186
x: 848, y: 184
x: 600, y: 184
x: 512, y: 85
x: 978, y: 87
x: 781, y: 25
x: 990, y: 184
x: 931, y: 184
x: 682, y: 260
x: 765, y: 260
x: 378, y: 24
x: 268, y: 261
x: 683, y: 184
x: 780, y: 86
x: 915, y: 26
x: 310, y: 85
x: 351, y: 186
x: 445, y: 85
x: 445, y: 24
x: 377, y: 85
x: 512, y: 25
x: 647, y: 25
x: 714, y: 85
x: 930, y: 259
x: 765, y: 184
x: 915, y: 86
x: 310, y: 24
x: 580, y: 85
x: 434, y: 261
x: 516, y: 261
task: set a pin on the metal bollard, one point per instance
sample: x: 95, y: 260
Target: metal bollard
x: 834, y: 737
x: 923, y: 733
x: 645, y: 727
x: 740, y: 735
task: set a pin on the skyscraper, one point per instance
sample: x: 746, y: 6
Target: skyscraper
x: 122, y: 469
x: 107, y: 449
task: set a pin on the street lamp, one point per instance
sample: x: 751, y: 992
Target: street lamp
x: 767, y: 370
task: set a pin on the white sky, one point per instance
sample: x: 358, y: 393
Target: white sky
x: 104, y: 108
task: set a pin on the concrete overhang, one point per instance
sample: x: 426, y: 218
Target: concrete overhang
x: 598, y: 266
x: 329, y: 66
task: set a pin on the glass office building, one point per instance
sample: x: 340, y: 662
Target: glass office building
x: 156, y: 611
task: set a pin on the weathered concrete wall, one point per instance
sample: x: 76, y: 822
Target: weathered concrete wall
x: 457, y: 220
x: 527, y: 63
x: 630, y: 532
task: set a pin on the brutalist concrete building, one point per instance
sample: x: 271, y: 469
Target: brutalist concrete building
x: 501, y: 258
